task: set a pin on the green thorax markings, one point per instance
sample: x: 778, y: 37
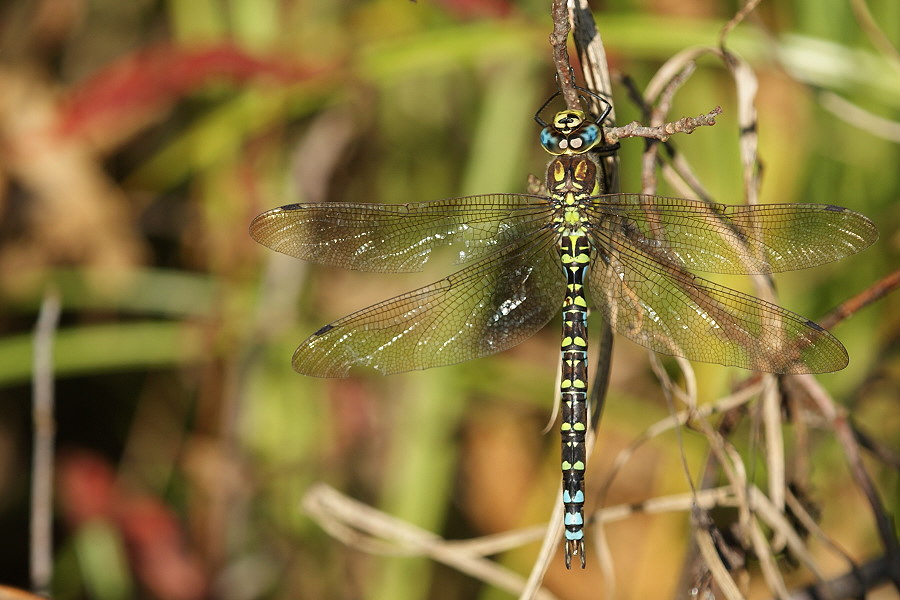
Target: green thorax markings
x: 571, y: 180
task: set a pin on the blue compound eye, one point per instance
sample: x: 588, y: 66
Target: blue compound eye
x: 588, y: 136
x: 563, y: 138
x: 553, y: 142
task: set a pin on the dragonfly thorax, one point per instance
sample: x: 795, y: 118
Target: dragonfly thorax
x: 572, y: 173
x: 572, y: 181
x: 570, y: 133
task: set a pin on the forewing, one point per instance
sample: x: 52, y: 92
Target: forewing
x: 399, y: 237
x: 491, y: 305
x: 720, y: 238
x: 671, y: 311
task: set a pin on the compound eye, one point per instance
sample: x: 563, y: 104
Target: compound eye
x: 552, y: 141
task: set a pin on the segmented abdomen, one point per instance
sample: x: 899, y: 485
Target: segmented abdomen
x: 575, y: 256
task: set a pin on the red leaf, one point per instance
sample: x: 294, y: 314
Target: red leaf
x: 149, y: 81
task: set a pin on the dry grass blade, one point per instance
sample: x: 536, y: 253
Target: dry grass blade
x: 712, y: 557
x: 767, y: 562
x: 592, y: 53
x: 44, y: 422
x: 364, y: 527
x: 549, y: 545
x: 774, y: 441
x: 859, y: 117
x: 773, y: 516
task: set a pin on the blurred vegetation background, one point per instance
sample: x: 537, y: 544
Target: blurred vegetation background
x: 137, y: 141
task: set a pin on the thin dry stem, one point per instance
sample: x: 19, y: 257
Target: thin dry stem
x: 370, y: 529
x: 873, y: 293
x: 41, y: 560
x: 859, y: 117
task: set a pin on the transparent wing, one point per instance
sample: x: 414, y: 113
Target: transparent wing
x: 489, y: 306
x: 719, y: 238
x: 670, y: 311
x: 399, y: 237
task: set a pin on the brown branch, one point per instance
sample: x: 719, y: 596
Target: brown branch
x: 875, y: 292
x: 663, y: 132
x: 560, y: 51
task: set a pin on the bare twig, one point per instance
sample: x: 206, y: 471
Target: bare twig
x: 559, y: 44
x: 801, y: 514
x: 663, y: 132
x: 873, y: 293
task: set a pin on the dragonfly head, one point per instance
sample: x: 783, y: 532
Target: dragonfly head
x: 570, y: 133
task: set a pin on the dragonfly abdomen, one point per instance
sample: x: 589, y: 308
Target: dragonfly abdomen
x: 574, y: 253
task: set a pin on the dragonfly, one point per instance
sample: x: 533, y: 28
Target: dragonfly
x: 526, y: 257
